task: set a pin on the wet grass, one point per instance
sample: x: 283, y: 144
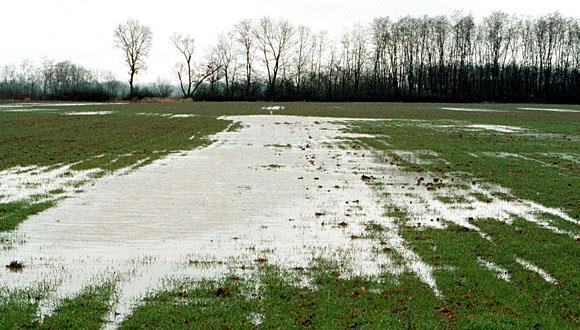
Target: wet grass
x: 18, y: 309
x: 273, y: 166
x: 12, y: 214
x: 86, y: 310
x: 450, y: 199
x: 554, y: 186
x: 473, y: 297
x: 108, y: 142
x: 481, y: 197
x: 205, y: 305
x: 477, y: 298
x: 281, y: 146
x: 281, y: 302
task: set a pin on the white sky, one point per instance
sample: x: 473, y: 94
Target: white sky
x: 81, y: 30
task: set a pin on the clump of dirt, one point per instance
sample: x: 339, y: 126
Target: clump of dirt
x: 15, y: 266
x: 366, y: 178
x: 223, y: 292
x: 261, y: 261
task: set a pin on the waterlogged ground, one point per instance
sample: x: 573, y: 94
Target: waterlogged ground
x: 424, y: 216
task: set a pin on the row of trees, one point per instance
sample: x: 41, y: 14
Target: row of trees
x: 452, y: 58
x: 500, y: 58
x: 49, y: 80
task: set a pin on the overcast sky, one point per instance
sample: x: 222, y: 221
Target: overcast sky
x: 81, y: 30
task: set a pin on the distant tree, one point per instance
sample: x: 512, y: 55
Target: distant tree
x: 454, y: 58
x: 275, y: 38
x: 245, y: 37
x: 162, y: 88
x: 184, y: 44
x: 226, y: 60
x: 134, y: 39
x: 190, y: 77
x: 305, y: 47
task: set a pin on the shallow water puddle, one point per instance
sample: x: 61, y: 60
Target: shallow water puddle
x: 41, y: 183
x: 531, y: 267
x: 500, y: 272
x: 422, y: 197
x: 549, y: 109
x: 497, y: 128
x: 274, y: 108
x: 214, y: 206
x: 28, y: 105
x: 182, y: 116
x: 471, y: 110
x: 11, y: 110
x: 88, y: 113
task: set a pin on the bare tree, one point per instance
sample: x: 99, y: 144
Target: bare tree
x: 190, y: 77
x: 245, y: 37
x: 162, y: 88
x: 305, y: 45
x: 274, y: 39
x: 47, y: 72
x: 226, y: 60
x: 185, y: 46
x: 444, y: 58
x: 134, y: 39
x: 209, y: 70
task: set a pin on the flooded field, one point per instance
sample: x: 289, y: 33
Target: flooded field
x: 405, y: 207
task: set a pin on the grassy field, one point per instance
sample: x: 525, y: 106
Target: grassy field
x: 534, y: 154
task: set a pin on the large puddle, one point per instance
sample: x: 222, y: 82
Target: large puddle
x: 49, y: 105
x: 550, y: 109
x: 276, y: 192
x: 273, y: 192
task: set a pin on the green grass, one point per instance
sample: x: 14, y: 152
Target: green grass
x: 12, y: 214
x: 473, y: 296
x: 481, y: 197
x: 273, y: 166
x: 286, y: 146
x: 18, y: 309
x: 283, y: 304
x: 83, y: 311
x: 449, y: 199
x: 477, y: 298
x: 44, y: 139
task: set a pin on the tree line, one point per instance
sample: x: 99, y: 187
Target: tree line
x: 49, y: 80
x: 430, y: 58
